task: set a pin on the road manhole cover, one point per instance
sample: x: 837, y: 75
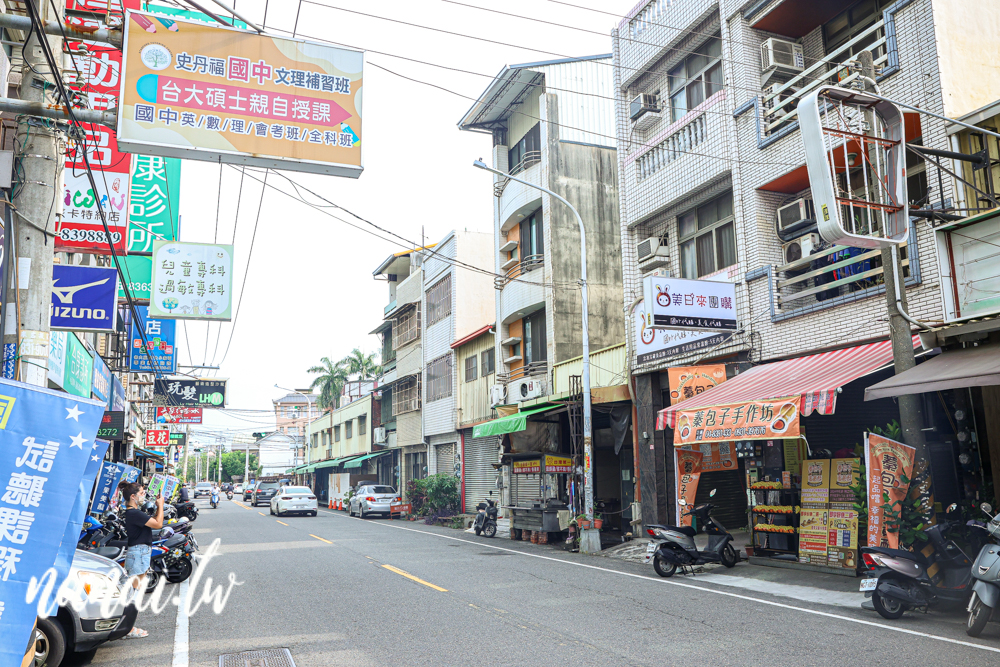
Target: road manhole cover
x: 268, y: 657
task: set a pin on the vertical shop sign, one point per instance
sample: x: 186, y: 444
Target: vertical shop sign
x: 57, y: 357
x: 156, y: 193
x: 79, y: 367
x: 688, y: 466
x: 159, y: 351
x: 887, y: 462
x: 688, y: 381
x: 138, y: 270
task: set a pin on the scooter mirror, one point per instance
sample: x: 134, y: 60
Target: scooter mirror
x: 986, y: 507
x: 952, y: 507
x: 711, y: 494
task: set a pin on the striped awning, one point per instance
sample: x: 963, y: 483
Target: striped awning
x: 815, y: 379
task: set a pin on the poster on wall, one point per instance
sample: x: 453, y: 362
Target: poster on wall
x: 816, y: 482
x: 687, y: 463
x: 688, y: 381
x: 750, y: 420
x: 192, y: 281
x: 887, y: 462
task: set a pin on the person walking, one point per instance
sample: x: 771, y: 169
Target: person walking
x: 139, y: 528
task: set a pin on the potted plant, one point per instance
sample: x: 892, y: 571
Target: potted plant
x: 583, y: 522
x: 598, y: 521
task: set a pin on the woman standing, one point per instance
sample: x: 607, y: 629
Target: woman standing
x: 139, y: 527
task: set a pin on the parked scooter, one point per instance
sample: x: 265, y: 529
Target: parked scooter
x: 986, y: 575
x: 187, y: 509
x: 674, y: 546
x: 897, y: 580
x: 215, y: 498
x: 486, y: 518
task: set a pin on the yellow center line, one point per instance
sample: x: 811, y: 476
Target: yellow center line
x: 320, y: 538
x: 261, y: 513
x: 240, y: 505
x: 412, y: 578
x: 282, y: 522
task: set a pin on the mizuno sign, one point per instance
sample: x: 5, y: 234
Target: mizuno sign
x: 84, y: 298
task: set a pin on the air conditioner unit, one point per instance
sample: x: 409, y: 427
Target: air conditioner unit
x: 800, y: 247
x: 652, y: 253
x: 770, y: 104
x: 379, y: 434
x: 643, y: 104
x: 782, y: 55
x: 498, y: 395
x: 526, y: 389
x: 795, y: 217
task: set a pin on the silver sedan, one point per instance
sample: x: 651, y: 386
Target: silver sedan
x: 373, y: 499
x: 299, y: 499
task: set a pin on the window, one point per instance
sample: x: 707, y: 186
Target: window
x: 406, y: 395
x: 416, y: 465
x: 535, y: 346
x: 847, y: 25
x: 439, y: 301
x: 387, y: 413
x: 696, y: 78
x: 439, y: 378
x: 348, y: 429
x: 336, y: 433
x: 531, y: 243
x: 470, y: 368
x: 407, y: 327
x: 527, y: 149
x: 362, y: 424
x: 489, y: 362
x: 388, y: 351
x: 707, y: 238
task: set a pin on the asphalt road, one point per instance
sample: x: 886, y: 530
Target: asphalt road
x: 368, y: 593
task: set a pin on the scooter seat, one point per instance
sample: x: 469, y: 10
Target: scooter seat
x: 896, y: 553
x: 683, y: 530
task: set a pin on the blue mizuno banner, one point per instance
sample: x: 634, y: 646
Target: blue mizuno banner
x: 160, y: 339
x: 47, y: 437
x: 84, y: 298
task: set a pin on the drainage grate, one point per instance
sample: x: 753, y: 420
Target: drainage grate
x: 268, y: 657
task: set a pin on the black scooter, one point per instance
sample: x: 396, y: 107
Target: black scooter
x: 188, y: 509
x: 486, y: 518
x: 674, y: 546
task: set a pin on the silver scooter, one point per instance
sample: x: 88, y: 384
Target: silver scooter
x: 674, y: 546
x: 986, y: 573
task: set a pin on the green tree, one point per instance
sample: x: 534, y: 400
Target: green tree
x: 332, y: 377
x: 361, y: 364
x: 233, y: 464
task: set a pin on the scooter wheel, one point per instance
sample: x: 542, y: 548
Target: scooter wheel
x: 888, y: 608
x: 729, y: 556
x: 490, y: 530
x: 478, y: 531
x: 180, y: 571
x: 978, y: 618
x: 152, y: 579
x: 663, y: 568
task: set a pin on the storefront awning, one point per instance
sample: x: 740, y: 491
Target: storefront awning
x: 815, y: 379
x: 509, y: 424
x: 356, y: 463
x: 971, y: 367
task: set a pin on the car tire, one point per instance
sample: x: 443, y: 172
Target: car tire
x: 314, y: 512
x: 271, y: 510
x: 50, y: 642
x: 361, y: 512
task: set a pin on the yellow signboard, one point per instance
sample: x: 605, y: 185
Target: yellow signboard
x: 205, y: 92
x: 555, y: 464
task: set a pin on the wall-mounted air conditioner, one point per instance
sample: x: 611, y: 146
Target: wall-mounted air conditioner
x: 782, y: 55
x: 498, y: 395
x: 643, y: 104
x: 652, y: 253
x: 526, y: 389
x: 800, y: 247
x: 794, y: 218
x: 379, y: 435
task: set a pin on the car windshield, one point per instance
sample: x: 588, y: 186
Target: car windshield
x: 298, y: 490
x: 204, y: 485
x: 381, y: 489
x: 267, y: 485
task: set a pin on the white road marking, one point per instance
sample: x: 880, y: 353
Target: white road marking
x: 669, y: 582
x: 803, y: 593
x: 181, y: 632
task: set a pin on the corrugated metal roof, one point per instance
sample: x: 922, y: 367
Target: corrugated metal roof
x: 472, y: 336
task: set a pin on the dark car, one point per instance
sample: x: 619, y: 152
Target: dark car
x: 264, y: 491
x: 248, y: 491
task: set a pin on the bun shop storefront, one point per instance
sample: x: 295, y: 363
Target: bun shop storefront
x: 772, y: 429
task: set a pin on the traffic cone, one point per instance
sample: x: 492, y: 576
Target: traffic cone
x: 331, y: 504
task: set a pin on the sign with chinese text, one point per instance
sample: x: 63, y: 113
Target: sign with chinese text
x: 159, y: 352
x: 529, y: 467
x: 48, y: 436
x: 687, y: 464
x: 117, y: 394
x: 715, y: 456
x: 663, y: 344
x: 560, y: 464
x: 101, y: 384
x: 210, y: 393
x: 688, y: 381
x: 157, y: 438
x: 79, y: 367
x: 57, y: 357
x: 138, y: 270
x: 84, y: 298
x: 816, y: 482
x: 699, y: 305
x: 192, y: 281
x: 844, y: 473
x: 814, y: 535
x: 155, y: 198
x: 112, y: 425
x: 887, y: 463
x: 751, y: 420
x: 842, y: 547
x: 203, y: 92
x: 178, y: 415
x: 178, y: 440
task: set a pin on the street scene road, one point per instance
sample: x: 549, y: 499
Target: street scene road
x: 336, y: 590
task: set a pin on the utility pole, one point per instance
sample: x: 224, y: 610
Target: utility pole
x: 37, y: 205
x: 218, y: 471
x: 187, y: 435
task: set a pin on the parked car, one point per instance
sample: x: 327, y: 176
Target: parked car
x: 372, y: 499
x: 238, y: 489
x: 83, y: 626
x: 202, y: 489
x: 294, y: 499
x: 248, y: 491
x: 264, y: 491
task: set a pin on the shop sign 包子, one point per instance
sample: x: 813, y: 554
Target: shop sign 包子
x: 112, y: 425
x: 138, y: 271
x: 687, y: 463
x: 157, y: 438
x: 84, y: 298
x: 751, y: 420
x: 663, y: 344
x: 159, y: 352
x: 532, y: 466
x: 887, y: 462
x: 558, y: 464
x: 155, y: 199
x: 79, y: 367
x: 688, y: 381
x: 192, y: 281
x: 205, y: 393
x: 677, y: 303
x: 178, y: 415
x: 207, y: 92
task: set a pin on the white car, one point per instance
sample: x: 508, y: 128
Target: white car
x: 373, y: 499
x: 288, y: 499
x: 238, y: 488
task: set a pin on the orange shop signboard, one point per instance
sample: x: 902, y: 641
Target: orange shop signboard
x: 749, y: 420
x: 204, y: 92
x: 887, y: 463
x: 688, y: 381
x: 688, y: 467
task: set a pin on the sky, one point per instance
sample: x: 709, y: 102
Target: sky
x: 309, y: 290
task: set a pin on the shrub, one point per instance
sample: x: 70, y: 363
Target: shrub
x: 416, y: 492
x: 442, y: 492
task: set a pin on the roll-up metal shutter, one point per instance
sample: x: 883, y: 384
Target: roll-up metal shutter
x: 525, y: 489
x: 444, y: 458
x: 730, y: 498
x: 480, y: 475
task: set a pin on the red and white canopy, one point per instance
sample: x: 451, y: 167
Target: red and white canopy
x: 815, y: 378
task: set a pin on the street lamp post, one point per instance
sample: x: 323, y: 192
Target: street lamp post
x: 588, y: 472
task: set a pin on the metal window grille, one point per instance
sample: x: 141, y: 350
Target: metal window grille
x: 439, y: 378
x: 406, y: 395
x: 407, y: 327
x: 439, y: 301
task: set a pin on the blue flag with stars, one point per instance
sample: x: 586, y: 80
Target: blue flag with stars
x: 46, y: 440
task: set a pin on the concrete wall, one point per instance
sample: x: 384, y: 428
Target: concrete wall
x: 965, y: 36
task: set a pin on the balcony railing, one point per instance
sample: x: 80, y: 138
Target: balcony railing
x: 530, y: 158
x: 529, y: 263
x: 528, y: 370
x: 780, y: 106
x: 674, y: 146
x: 647, y: 16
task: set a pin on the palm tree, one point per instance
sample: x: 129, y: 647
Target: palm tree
x: 361, y: 364
x: 332, y: 377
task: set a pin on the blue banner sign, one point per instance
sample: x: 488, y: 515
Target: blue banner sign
x: 111, y: 475
x: 118, y: 394
x: 84, y: 298
x: 160, y: 338
x: 101, y: 386
x: 48, y: 437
